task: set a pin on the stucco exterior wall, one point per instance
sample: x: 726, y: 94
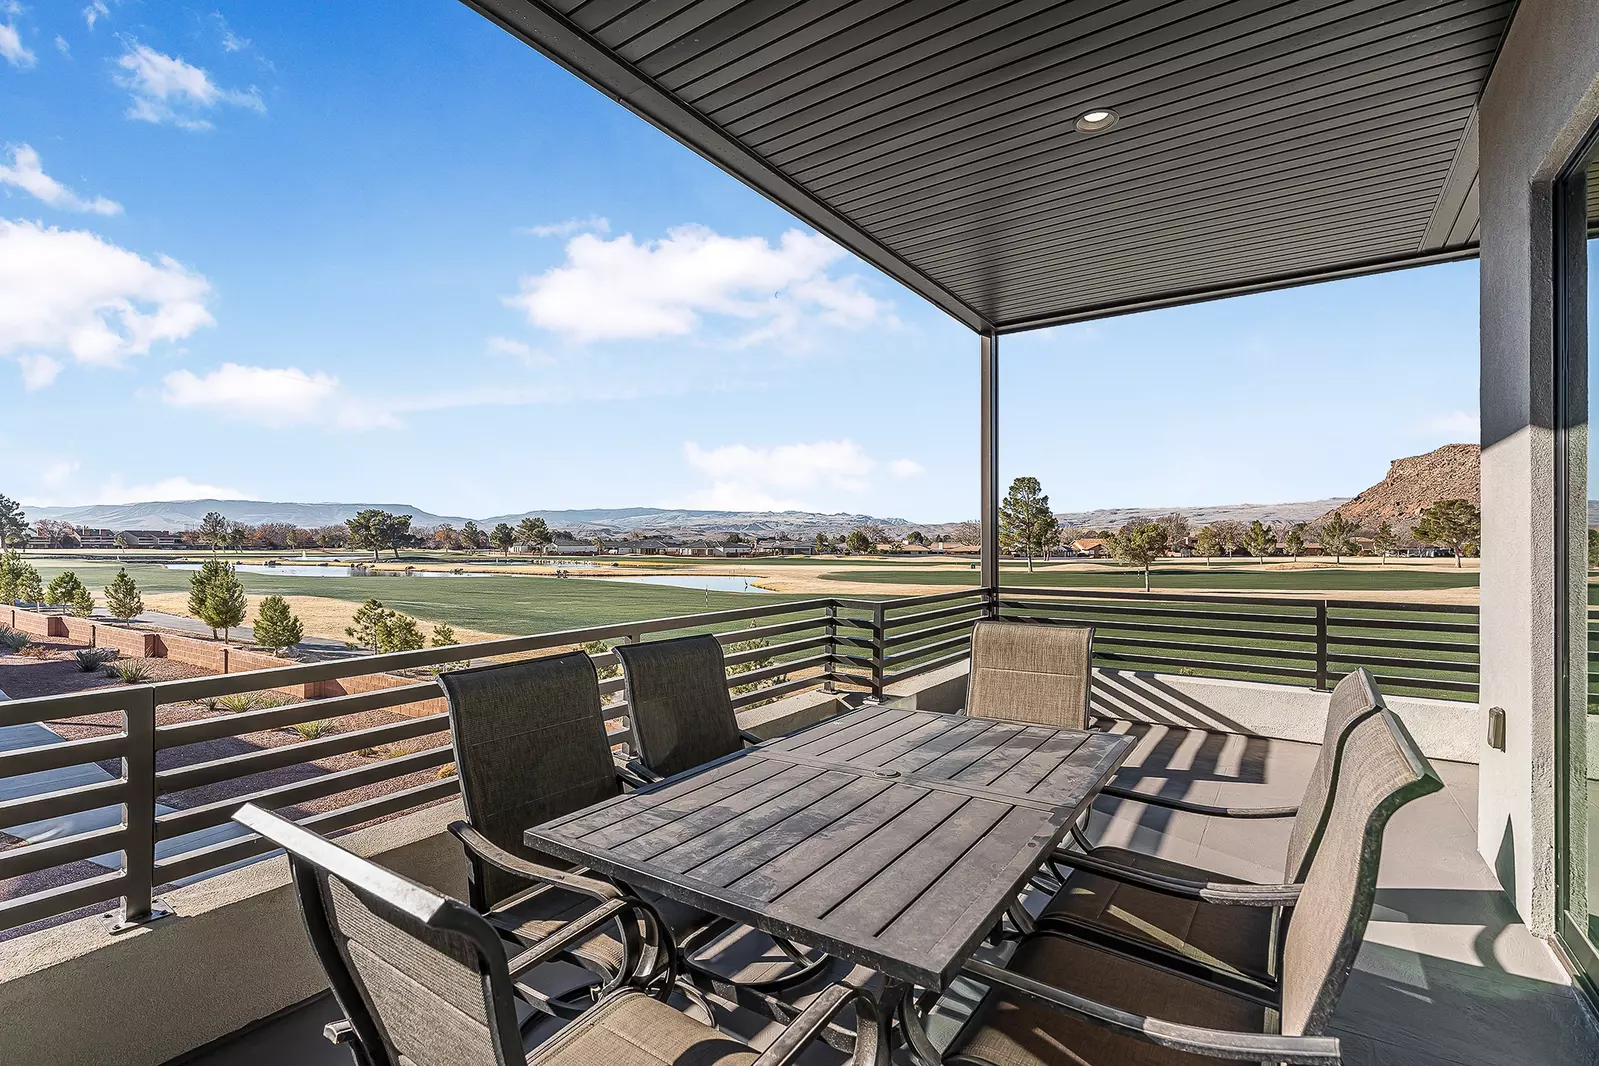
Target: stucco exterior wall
x: 1540, y: 102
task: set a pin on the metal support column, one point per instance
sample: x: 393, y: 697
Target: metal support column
x: 989, y: 445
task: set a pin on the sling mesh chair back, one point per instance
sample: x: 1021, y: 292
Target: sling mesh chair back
x: 1030, y: 672
x: 530, y: 745
x: 1354, y: 699
x: 678, y: 699
x: 420, y: 977
x: 1064, y: 999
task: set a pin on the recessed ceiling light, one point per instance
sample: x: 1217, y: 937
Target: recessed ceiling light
x: 1097, y: 120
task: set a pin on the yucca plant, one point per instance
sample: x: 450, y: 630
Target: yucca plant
x: 14, y: 639
x: 129, y: 673
x: 238, y: 703
x: 92, y: 659
x: 313, y: 730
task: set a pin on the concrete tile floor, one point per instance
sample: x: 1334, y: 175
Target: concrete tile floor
x: 1448, y: 975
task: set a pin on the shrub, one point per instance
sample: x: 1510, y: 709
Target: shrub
x: 600, y: 647
x: 132, y: 672
x: 443, y: 635
x: 92, y: 659
x: 312, y: 730
x: 122, y: 597
x: 14, y: 639
x: 63, y: 588
x: 276, y: 627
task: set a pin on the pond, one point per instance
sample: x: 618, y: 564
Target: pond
x: 707, y: 582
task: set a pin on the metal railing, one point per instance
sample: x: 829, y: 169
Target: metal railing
x: 780, y: 649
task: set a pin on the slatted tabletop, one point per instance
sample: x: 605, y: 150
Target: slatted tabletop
x: 891, y: 838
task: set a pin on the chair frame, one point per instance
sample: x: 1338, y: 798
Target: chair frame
x: 380, y: 889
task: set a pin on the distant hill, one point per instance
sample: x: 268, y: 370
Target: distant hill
x: 1115, y: 517
x: 187, y: 514
x: 1453, y: 472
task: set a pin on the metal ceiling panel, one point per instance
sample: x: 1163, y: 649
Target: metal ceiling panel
x: 1259, y: 143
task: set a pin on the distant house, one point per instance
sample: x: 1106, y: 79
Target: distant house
x: 573, y: 547
x: 781, y: 546
x: 732, y: 549
x: 951, y: 548
x: 1091, y: 547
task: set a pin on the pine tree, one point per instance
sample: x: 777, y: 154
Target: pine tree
x: 122, y: 597
x: 81, y: 604
x: 1139, y: 544
x: 1207, y: 543
x: 502, y: 537
x: 213, y: 531
x: 276, y: 627
x: 1385, y: 542
x: 11, y: 572
x: 1338, y: 537
x: 1259, y: 540
x: 1026, y: 524
x: 29, y: 588
x: 1455, y: 524
x: 443, y: 635
x: 64, y: 587
x: 1294, y: 541
x: 365, y: 624
x: 211, y: 571
x: 224, y: 605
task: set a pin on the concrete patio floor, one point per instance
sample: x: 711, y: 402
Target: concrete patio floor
x: 1448, y: 976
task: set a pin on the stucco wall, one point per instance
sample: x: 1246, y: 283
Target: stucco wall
x: 1540, y: 102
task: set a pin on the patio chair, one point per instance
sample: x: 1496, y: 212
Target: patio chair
x: 424, y: 979
x: 530, y: 745
x: 682, y: 718
x: 1064, y: 999
x: 678, y: 700
x: 1123, y: 895
x: 1031, y: 672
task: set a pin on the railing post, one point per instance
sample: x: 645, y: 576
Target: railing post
x: 138, y: 814
x: 878, y: 650
x: 1321, y: 645
x: 831, y: 647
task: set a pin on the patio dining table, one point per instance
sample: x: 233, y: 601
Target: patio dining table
x: 892, y: 838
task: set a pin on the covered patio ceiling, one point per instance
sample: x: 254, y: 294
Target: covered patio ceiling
x: 1255, y: 143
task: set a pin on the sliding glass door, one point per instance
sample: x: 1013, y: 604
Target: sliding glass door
x: 1577, y: 740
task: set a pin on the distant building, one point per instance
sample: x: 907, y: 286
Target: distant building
x: 1092, y: 547
x: 781, y: 546
x: 951, y: 548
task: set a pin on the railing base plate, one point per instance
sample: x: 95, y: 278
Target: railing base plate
x: 115, y: 923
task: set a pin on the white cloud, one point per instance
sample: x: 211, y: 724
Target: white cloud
x: 273, y: 396
x: 764, y: 479
x: 74, y: 292
x: 95, y: 12
x: 231, y: 42
x: 38, y: 371
x: 1458, y: 425
x: 26, y: 172
x: 521, y: 351
x: 12, y: 49
x: 168, y: 90
x: 621, y: 289
x: 906, y: 468
x: 592, y: 224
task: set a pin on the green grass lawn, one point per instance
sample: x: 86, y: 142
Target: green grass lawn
x: 1174, y: 578
x: 511, y: 604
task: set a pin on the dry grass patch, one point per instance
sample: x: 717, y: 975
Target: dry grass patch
x: 323, y: 616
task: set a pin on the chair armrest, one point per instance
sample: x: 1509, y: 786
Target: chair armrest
x: 1209, y: 891
x: 481, y: 847
x: 750, y: 738
x: 871, y: 1039
x: 1198, y: 808
x: 1193, y: 1039
x: 566, y: 936
x: 635, y: 773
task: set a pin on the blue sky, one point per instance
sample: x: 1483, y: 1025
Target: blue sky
x: 382, y: 251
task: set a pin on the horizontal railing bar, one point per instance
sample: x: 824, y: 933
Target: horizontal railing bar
x: 771, y: 651
x: 1399, y: 605
x: 898, y: 602
x: 1109, y: 612
x: 66, y: 753
x: 927, y: 649
x: 797, y: 685
x: 331, y: 784
x: 854, y: 660
x: 41, y: 856
x: 852, y: 679
x: 932, y: 616
x: 1447, y: 665
x: 1216, y: 649
x: 190, y: 863
x: 1427, y: 683
x: 857, y: 623
x: 922, y: 668
x: 1174, y: 597
x: 49, y: 902
x: 764, y: 673
x: 778, y: 630
x: 180, y: 733
x: 233, y: 767
x: 964, y: 624
x: 1209, y: 664
x: 65, y: 705
x: 1419, y: 625
x: 66, y: 801
x: 855, y: 642
x: 1455, y: 647
x: 1307, y: 639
